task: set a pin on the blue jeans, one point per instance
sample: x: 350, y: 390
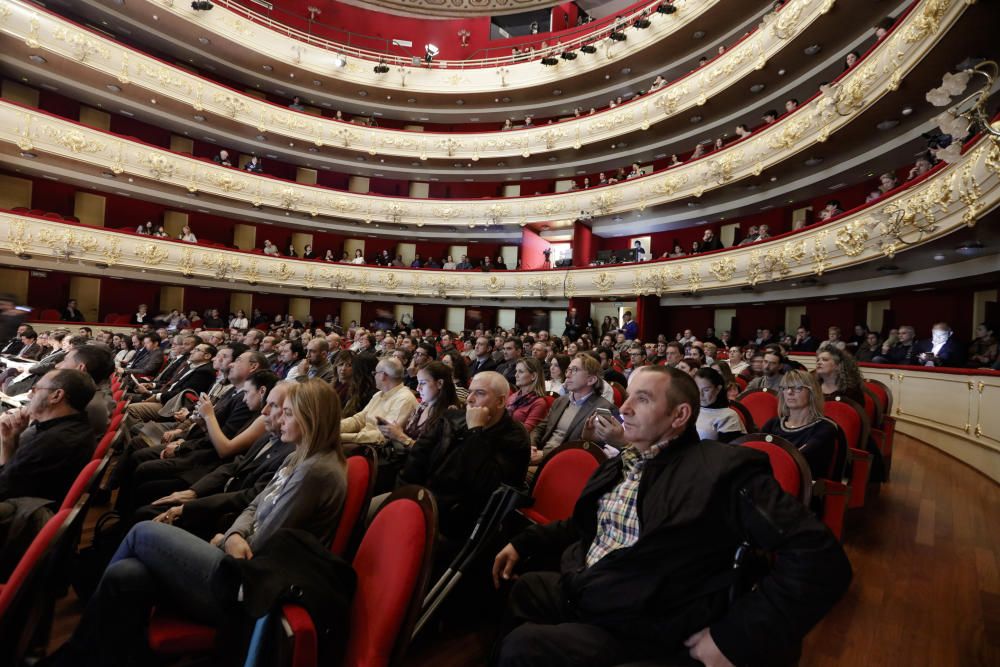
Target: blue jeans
x: 156, y: 565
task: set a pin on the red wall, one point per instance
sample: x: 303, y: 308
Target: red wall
x: 532, y: 247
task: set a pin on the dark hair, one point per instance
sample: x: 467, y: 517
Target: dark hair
x: 237, y: 348
x: 30, y: 334
x: 152, y: 336
x: 212, y: 350
x: 362, y: 385
x: 563, y: 361
x: 516, y: 342
x: 296, y: 348
x: 429, y: 349
x: 265, y: 379
x: 78, y: 388
x: 78, y: 340
x: 96, y: 360
x: 715, y: 377
x: 448, y: 397
x: 459, y: 370
x: 260, y: 359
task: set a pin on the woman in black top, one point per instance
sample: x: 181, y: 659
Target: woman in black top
x: 838, y: 375
x: 800, y: 420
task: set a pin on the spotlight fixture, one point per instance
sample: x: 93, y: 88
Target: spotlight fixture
x: 430, y: 51
x: 568, y: 55
x: 339, y: 60
x: 381, y: 68
x: 617, y: 36
x: 642, y: 23
x: 666, y: 8
x: 549, y: 61
x: 588, y: 48
x: 201, y: 5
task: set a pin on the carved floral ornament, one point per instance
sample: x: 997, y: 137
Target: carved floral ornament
x: 813, y: 122
x: 931, y: 209
x: 134, y: 68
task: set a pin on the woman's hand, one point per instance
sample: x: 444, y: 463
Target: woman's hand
x: 536, y: 456
x: 205, y: 407
x: 170, y: 516
x: 391, y: 431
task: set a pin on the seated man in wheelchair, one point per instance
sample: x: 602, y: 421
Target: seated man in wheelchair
x: 647, y: 558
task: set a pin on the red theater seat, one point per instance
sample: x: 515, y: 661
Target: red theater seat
x: 560, y: 479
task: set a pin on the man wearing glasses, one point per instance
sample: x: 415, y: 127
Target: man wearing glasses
x: 392, y: 403
x: 771, y: 369
x: 44, y: 445
x: 569, y: 413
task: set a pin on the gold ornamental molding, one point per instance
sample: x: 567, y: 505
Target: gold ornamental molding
x: 454, y: 8
x: 882, y: 71
x: 63, y: 38
x: 278, y: 42
x: 955, y: 196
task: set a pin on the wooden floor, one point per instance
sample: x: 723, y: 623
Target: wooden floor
x: 926, y: 590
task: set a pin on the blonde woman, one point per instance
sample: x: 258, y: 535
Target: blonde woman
x: 528, y: 405
x: 800, y: 420
x: 159, y: 564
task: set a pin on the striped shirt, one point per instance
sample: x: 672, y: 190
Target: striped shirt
x: 617, y: 510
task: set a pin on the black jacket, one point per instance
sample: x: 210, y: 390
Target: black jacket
x: 146, y: 362
x: 951, y: 354
x: 229, y: 488
x: 198, y: 380
x: 698, y: 500
x: 477, y: 366
x: 463, y: 466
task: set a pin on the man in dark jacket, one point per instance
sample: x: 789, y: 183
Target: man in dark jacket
x: 903, y: 352
x: 468, y: 455
x: 942, y: 349
x: 229, y: 488
x: 148, y: 360
x: 647, y: 558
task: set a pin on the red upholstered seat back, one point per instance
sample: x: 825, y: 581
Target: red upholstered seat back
x: 358, y: 474
x: 879, y: 390
x: 870, y: 408
x: 388, y: 565
x: 559, y: 485
x: 763, y: 405
x: 80, y: 485
x: 786, y: 470
x: 619, y: 394
x: 848, y: 419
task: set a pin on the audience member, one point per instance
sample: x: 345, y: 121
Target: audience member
x: 527, y: 403
x: 983, y: 349
x: 392, y: 403
x: 942, y: 349
x: 626, y: 595
x: 800, y: 420
x: 771, y: 373
x: 222, y: 157
x: 716, y: 420
x: 838, y: 375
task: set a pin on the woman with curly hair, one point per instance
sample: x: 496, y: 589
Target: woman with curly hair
x: 355, y: 380
x: 838, y: 374
x: 459, y: 372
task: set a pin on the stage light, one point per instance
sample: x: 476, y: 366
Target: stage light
x: 618, y: 36
x: 381, y: 68
x: 588, y: 48
x: 666, y: 8
x: 201, y: 5
x: 430, y: 51
x: 549, y: 61
x: 339, y: 60
x: 568, y: 55
x: 642, y: 23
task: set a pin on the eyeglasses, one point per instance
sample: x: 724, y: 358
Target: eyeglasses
x: 572, y: 369
x: 795, y: 388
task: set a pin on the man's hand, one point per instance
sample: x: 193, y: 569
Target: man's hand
x: 205, y: 407
x: 477, y: 417
x: 536, y: 456
x: 177, y: 497
x: 703, y: 649
x: 141, y: 389
x: 237, y: 547
x: 169, y: 436
x: 181, y: 415
x: 170, y: 451
x: 13, y: 422
x: 503, y: 564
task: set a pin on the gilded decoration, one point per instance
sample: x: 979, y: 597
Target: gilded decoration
x: 820, y: 252
x: 495, y: 283
x: 159, y: 165
x: 723, y: 269
x: 151, y: 254
x: 74, y: 140
x: 137, y: 68
x: 852, y: 238
x: 604, y: 281
x: 18, y: 237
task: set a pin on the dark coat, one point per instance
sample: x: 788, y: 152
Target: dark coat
x: 197, y: 380
x: 698, y: 501
x: 463, y: 466
x: 541, y: 433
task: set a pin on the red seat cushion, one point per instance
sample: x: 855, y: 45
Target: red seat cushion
x: 171, y: 635
x: 358, y: 474
x: 763, y: 405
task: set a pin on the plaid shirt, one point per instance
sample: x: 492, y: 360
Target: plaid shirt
x: 617, y: 516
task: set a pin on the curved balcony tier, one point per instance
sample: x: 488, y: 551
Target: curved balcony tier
x: 949, y: 198
x: 238, y: 28
x: 79, y: 47
x: 814, y: 122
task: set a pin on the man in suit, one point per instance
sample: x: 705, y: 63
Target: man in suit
x: 197, y: 376
x: 229, y: 488
x: 513, y: 350
x: 569, y: 413
x: 629, y: 326
x: 30, y: 349
x: 149, y: 359
x: 942, y: 349
x: 483, y: 359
